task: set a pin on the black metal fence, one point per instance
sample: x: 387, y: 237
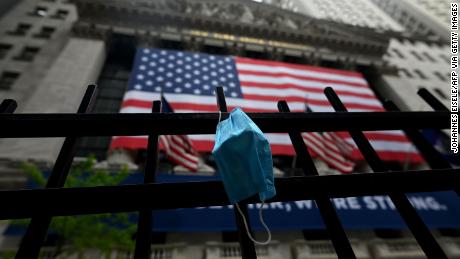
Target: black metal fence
x: 42, y: 204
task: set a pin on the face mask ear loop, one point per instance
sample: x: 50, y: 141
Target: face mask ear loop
x: 269, y: 238
x: 220, y: 117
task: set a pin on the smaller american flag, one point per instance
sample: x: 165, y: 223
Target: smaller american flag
x: 330, y: 148
x: 326, y: 147
x: 178, y: 149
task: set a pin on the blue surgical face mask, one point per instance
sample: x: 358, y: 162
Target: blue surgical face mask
x: 244, y: 160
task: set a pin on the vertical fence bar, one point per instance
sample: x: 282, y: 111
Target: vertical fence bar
x: 331, y: 220
x: 437, y: 106
x: 8, y: 106
x: 144, y: 227
x: 432, y: 100
x: 247, y: 248
x: 418, y: 228
x: 38, y: 226
x: 429, y: 153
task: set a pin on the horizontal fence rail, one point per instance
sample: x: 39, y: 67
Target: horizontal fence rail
x: 27, y: 203
x: 63, y: 125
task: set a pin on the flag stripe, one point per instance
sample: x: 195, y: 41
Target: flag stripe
x: 304, y: 70
x: 319, y: 139
x: 177, y: 144
x: 336, y: 160
x: 314, y: 102
x: 315, y: 141
x: 307, y: 89
x: 304, y: 84
x: 331, y: 158
x: 345, y: 147
x: 284, y: 74
x: 274, y: 91
x: 179, y: 152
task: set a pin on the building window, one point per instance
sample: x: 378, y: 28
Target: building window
x: 20, y: 30
x: 27, y: 54
x: 431, y: 33
x: 4, y: 48
x: 420, y: 74
x: 39, y: 11
x: 397, y: 52
x: 45, y: 32
x: 60, y: 14
x: 416, y: 55
x: 429, y: 57
x: 440, y: 76
x: 404, y: 14
x: 421, y: 28
x: 440, y: 93
x: 445, y: 58
x: 405, y: 73
x: 7, y: 79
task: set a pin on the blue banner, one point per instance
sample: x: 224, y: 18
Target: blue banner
x: 438, y: 210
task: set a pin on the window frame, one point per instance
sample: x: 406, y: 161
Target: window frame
x: 8, y: 79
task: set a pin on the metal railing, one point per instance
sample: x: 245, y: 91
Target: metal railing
x: 42, y: 204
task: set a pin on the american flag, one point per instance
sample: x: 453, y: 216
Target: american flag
x: 326, y: 147
x: 178, y: 148
x: 188, y: 81
x: 330, y: 148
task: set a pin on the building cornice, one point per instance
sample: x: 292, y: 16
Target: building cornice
x: 242, y: 19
